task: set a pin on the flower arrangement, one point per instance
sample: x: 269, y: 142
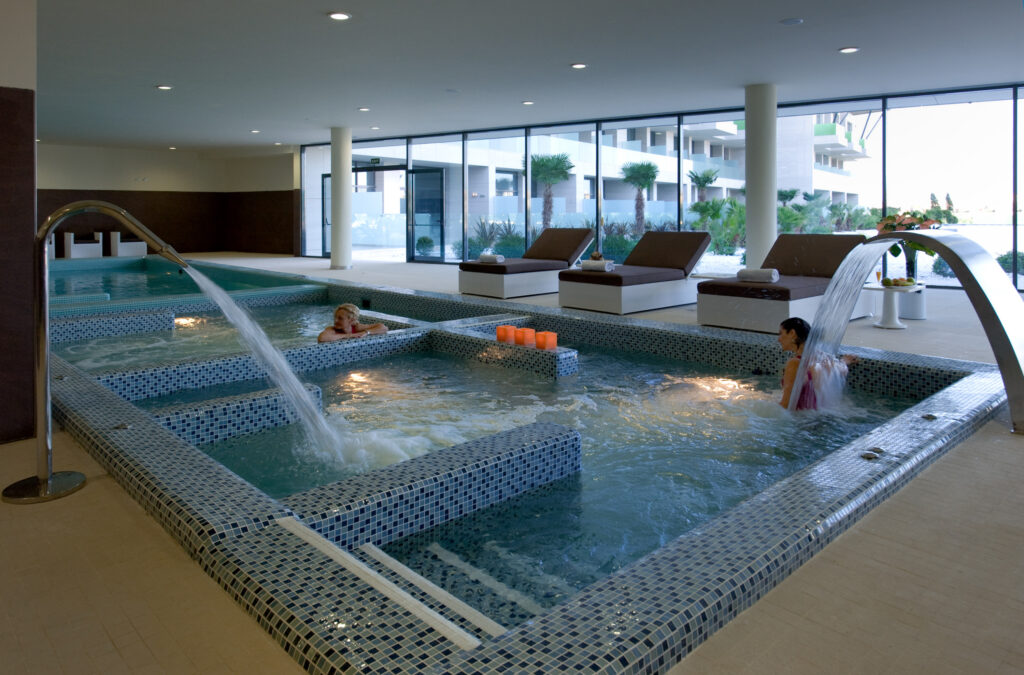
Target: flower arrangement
x: 908, y: 220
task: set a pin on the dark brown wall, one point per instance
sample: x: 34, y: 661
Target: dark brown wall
x: 17, y: 216
x: 254, y: 222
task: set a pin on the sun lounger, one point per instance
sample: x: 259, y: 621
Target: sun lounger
x: 805, y: 262
x: 655, y: 274
x: 536, y: 272
x: 83, y: 246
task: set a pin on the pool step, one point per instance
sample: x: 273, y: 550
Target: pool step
x: 475, y: 586
x: 433, y: 597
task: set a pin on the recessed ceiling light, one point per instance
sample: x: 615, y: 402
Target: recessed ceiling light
x: 277, y: 143
x: 254, y: 131
x: 527, y: 102
x: 374, y: 128
x: 364, y: 110
x: 849, y: 50
x: 340, y: 16
x: 578, y: 66
x: 165, y: 87
x: 792, y: 21
x: 172, y: 148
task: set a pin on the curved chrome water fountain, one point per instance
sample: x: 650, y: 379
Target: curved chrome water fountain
x: 47, y: 485
x: 997, y: 302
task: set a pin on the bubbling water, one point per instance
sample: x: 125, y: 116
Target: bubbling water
x: 325, y: 440
x: 830, y: 321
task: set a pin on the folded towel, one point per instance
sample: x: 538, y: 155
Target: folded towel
x: 490, y: 258
x: 598, y: 265
x: 768, y: 275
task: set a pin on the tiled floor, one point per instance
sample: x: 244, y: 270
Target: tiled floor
x: 932, y: 581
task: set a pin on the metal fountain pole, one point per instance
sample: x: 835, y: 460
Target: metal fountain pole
x: 47, y: 485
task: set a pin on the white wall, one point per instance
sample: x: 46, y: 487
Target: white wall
x: 18, y: 45
x: 67, y: 167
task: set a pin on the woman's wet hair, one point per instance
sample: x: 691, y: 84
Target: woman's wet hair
x: 798, y: 326
x: 349, y: 309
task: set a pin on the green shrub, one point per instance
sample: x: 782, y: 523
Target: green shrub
x: 510, y: 245
x: 942, y: 268
x: 1006, y: 261
x: 424, y: 246
x: 617, y: 246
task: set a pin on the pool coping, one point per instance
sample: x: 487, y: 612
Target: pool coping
x: 649, y: 615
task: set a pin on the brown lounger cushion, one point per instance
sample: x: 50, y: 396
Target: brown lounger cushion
x: 624, y: 275
x: 786, y: 288
x: 560, y: 243
x: 814, y: 255
x: 680, y: 250
x: 513, y: 266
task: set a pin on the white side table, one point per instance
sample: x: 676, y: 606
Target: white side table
x: 890, y: 318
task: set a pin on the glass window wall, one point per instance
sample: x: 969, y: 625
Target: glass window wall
x: 640, y: 176
x: 435, y: 185
x: 949, y: 158
x: 714, y: 175
x: 316, y: 163
x: 497, y: 205
x: 563, y: 166
x: 378, y: 201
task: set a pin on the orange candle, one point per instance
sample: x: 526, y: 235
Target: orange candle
x: 502, y: 333
x: 529, y: 337
x: 547, y: 340
x: 520, y: 336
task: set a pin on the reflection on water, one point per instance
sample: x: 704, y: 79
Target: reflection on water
x: 666, y: 446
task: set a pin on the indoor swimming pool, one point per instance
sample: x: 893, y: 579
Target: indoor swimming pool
x: 611, y: 508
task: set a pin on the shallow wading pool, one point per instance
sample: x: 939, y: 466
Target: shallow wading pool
x: 432, y: 509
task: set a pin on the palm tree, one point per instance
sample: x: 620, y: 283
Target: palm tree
x: 550, y: 169
x: 640, y: 175
x: 702, y: 180
x: 786, y: 196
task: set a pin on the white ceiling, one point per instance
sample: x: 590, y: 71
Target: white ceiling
x: 426, y: 66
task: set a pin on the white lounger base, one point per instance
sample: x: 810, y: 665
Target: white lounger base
x: 508, y: 285
x: 764, y: 316
x: 627, y: 299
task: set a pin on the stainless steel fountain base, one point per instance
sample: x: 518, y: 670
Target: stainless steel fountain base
x: 31, y: 490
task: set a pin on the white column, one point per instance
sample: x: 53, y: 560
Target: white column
x: 762, y: 192
x: 341, y: 198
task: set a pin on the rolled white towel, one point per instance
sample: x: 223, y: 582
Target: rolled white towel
x: 768, y: 275
x: 491, y: 258
x: 598, y: 265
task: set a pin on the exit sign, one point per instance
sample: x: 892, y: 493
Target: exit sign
x: 375, y: 160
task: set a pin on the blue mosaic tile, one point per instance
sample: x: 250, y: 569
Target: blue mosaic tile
x: 642, y: 619
x: 230, y: 416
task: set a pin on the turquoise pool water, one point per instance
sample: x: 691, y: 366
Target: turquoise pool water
x: 201, y: 335
x: 667, y: 445
x: 146, y: 278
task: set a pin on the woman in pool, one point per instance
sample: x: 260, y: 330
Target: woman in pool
x: 793, y: 334
x: 346, y: 325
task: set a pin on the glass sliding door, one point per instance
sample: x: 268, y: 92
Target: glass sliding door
x: 428, y: 214
x: 378, y: 214
x: 949, y: 157
x: 436, y: 183
x: 316, y: 163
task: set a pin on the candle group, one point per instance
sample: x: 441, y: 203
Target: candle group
x: 527, y: 337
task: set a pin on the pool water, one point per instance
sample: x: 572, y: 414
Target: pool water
x: 666, y: 445
x: 146, y: 279
x: 201, y: 335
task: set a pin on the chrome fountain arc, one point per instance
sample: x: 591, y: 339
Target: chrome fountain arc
x: 998, y: 304
x: 47, y: 485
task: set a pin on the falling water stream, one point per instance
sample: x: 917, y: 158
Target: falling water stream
x: 830, y: 323
x: 325, y: 438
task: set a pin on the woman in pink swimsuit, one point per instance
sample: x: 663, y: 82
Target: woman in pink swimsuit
x: 793, y: 333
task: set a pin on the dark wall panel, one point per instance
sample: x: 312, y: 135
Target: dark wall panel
x: 256, y: 222
x: 17, y: 216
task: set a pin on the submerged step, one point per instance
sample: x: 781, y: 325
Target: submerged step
x: 222, y: 418
x: 446, y: 599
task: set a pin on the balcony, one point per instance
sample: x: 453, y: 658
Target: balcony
x: 833, y: 140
